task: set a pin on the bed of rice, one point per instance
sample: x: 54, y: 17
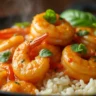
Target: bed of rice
x: 56, y: 83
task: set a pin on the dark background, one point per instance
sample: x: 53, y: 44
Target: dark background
x: 12, y: 11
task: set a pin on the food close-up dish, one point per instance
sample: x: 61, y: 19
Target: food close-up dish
x: 55, y: 54
x: 47, y: 47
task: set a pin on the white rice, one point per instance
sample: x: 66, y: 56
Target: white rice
x: 60, y: 84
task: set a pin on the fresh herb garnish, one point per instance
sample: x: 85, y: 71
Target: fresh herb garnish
x: 80, y: 48
x: 22, y: 61
x: 79, y: 18
x: 45, y: 53
x: 82, y: 32
x: 4, y: 56
x: 94, y: 24
x: 17, y: 83
x: 22, y: 24
x: 60, y: 18
x: 50, y: 16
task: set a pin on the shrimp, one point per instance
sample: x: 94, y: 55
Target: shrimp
x: 9, y: 32
x: 6, y: 73
x: 56, y: 58
x: 3, y: 76
x: 26, y: 69
x: 60, y: 33
x: 77, y: 67
x: 19, y: 87
x: 89, y: 39
x: 9, y: 43
x: 8, y: 68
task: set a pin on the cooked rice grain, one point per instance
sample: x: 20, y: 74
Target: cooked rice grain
x: 60, y: 84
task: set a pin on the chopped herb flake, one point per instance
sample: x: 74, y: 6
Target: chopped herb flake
x: 17, y: 83
x: 4, y: 56
x: 22, y: 61
x: 45, y: 53
x: 60, y: 18
x: 80, y: 48
x: 22, y: 24
x: 82, y: 32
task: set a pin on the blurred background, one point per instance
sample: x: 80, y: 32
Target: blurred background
x: 12, y: 11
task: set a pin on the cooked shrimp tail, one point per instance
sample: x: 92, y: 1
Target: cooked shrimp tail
x: 78, y: 65
x: 26, y: 69
x: 9, y: 32
x: 38, y: 40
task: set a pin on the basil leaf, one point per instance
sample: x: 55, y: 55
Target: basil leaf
x: 4, y: 56
x: 79, y: 18
x: 22, y: 24
x: 94, y: 24
x: 50, y: 16
x: 80, y: 48
x: 82, y: 32
x: 45, y: 53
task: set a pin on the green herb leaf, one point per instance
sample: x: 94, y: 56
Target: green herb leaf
x: 79, y: 18
x: 80, y: 48
x: 17, y: 83
x: 22, y: 24
x: 60, y: 18
x: 94, y: 24
x: 22, y: 61
x: 82, y: 32
x: 4, y: 56
x: 50, y: 16
x: 45, y: 53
